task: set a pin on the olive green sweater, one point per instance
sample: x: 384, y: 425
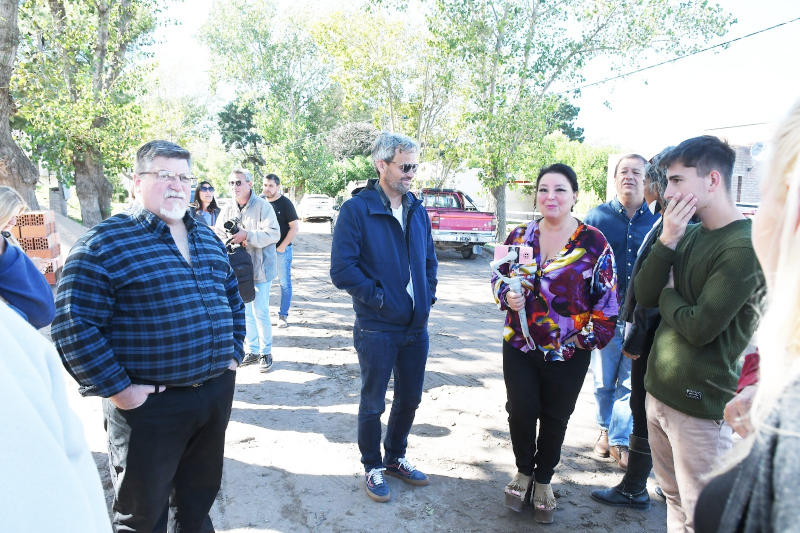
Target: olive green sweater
x: 707, y: 319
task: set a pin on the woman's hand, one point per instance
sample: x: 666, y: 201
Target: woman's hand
x: 514, y: 300
x: 574, y: 340
x: 737, y: 411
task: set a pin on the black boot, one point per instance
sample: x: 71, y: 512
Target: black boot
x: 632, y: 490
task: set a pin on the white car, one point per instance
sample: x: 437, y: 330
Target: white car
x: 315, y: 207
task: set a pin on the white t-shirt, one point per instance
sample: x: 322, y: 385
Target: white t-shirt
x: 398, y: 214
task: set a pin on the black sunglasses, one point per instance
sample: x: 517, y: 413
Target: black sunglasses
x: 407, y: 168
x: 235, y: 183
x: 208, y: 188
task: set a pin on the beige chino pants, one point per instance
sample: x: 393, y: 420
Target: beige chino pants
x: 685, y: 450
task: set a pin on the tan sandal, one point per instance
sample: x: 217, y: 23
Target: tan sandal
x: 544, y: 503
x: 517, y: 492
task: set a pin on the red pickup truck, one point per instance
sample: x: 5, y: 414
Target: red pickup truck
x: 456, y: 222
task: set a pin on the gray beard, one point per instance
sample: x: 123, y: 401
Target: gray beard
x: 175, y: 213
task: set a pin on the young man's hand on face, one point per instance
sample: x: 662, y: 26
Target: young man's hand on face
x: 677, y: 215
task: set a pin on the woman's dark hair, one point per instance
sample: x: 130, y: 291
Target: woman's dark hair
x: 559, y: 168
x: 212, y: 206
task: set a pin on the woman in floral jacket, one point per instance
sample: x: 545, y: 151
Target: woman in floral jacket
x: 570, y: 301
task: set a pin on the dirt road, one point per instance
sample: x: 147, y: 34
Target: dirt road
x: 292, y: 463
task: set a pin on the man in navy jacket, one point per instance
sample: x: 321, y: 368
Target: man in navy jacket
x: 383, y: 256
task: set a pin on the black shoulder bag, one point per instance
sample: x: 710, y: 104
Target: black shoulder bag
x: 243, y: 269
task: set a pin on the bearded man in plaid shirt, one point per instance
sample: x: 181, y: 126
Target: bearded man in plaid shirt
x: 150, y: 318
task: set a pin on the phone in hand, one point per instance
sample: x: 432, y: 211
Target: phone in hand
x: 524, y: 253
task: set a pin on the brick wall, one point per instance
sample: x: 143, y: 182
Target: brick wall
x: 36, y: 233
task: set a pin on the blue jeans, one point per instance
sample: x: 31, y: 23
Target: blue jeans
x: 285, y: 277
x: 612, y: 388
x: 258, y: 334
x: 380, y: 353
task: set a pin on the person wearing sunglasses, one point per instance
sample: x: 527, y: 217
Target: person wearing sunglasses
x: 257, y: 229
x: 205, y: 208
x: 382, y: 255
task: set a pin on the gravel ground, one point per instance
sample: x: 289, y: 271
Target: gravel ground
x: 291, y: 461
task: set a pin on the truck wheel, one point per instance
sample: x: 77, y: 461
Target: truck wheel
x: 466, y: 252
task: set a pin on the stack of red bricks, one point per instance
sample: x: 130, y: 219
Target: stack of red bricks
x: 36, y: 233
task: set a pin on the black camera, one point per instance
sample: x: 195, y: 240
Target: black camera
x: 232, y: 226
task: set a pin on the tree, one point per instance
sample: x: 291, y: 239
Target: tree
x: 371, y: 71
x: 510, y: 55
x: 16, y: 170
x: 394, y: 79
x: 279, y: 67
x: 78, y: 89
x: 589, y: 162
x: 352, y: 139
x: 238, y: 131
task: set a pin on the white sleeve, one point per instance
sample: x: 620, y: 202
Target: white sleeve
x: 50, y: 481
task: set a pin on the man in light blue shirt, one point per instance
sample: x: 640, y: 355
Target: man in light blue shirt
x: 624, y: 221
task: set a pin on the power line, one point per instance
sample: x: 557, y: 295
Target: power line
x: 674, y: 59
x: 737, y: 126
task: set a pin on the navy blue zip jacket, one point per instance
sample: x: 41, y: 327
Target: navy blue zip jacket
x: 370, y: 259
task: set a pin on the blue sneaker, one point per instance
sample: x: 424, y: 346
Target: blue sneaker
x: 376, y: 485
x: 402, y: 469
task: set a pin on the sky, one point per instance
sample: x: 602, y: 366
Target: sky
x: 753, y: 81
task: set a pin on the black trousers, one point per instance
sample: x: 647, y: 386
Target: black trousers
x: 638, y: 369
x: 166, y: 457
x: 543, y: 392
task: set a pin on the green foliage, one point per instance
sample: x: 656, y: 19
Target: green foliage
x: 70, y: 100
x: 181, y: 119
x: 509, y: 56
x: 212, y: 163
x: 371, y: 72
x: 285, y: 102
x: 563, y: 120
x: 589, y: 162
x: 395, y: 80
x: 237, y: 128
x: 358, y: 168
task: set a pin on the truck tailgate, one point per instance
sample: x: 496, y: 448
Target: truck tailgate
x: 456, y: 220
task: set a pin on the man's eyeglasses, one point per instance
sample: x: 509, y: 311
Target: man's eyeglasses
x: 407, y: 168
x: 208, y: 188
x: 166, y: 175
x: 234, y: 183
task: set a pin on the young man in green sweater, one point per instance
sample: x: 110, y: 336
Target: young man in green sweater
x: 707, y: 283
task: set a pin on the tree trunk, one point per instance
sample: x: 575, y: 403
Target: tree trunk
x: 16, y: 170
x: 93, y: 189
x: 499, y: 195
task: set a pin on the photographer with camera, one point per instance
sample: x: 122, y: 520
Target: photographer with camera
x: 250, y: 221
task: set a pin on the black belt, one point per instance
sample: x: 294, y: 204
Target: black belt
x: 139, y: 381
x: 192, y: 386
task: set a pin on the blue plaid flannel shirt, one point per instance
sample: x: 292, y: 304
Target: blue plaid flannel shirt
x: 131, y: 310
